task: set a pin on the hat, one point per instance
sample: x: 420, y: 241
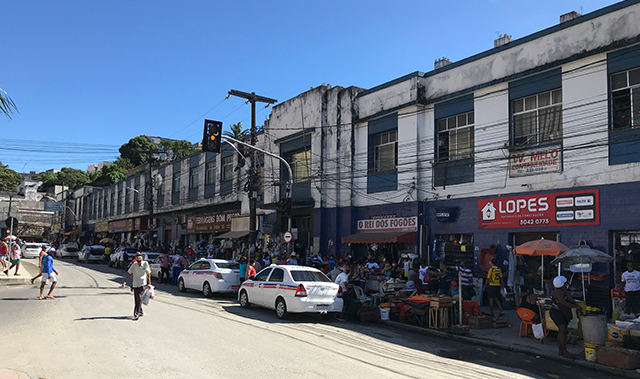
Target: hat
x: 51, y: 250
x: 454, y: 283
x: 559, y: 281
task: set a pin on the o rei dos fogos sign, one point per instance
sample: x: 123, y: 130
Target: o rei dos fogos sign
x: 541, y: 210
x: 396, y: 224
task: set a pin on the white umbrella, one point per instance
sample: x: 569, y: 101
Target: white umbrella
x: 582, y: 254
x: 11, y: 237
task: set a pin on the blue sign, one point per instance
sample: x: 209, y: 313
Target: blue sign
x: 52, y: 206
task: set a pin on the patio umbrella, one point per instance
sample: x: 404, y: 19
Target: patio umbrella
x: 11, y: 237
x: 107, y: 240
x: 582, y: 254
x: 541, y: 248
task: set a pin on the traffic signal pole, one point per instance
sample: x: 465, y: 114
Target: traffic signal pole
x: 253, y: 174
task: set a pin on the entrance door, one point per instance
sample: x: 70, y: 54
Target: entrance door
x: 167, y: 237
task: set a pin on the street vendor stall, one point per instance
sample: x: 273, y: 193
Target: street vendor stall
x: 541, y: 248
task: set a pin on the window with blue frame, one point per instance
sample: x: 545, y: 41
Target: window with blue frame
x: 382, y: 154
x: 625, y: 100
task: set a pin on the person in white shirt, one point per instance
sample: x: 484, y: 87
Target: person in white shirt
x: 333, y: 274
x: 343, y: 280
x: 631, y: 280
x: 141, y: 274
x: 372, y: 265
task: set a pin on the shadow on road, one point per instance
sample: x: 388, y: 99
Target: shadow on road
x: 29, y: 298
x: 103, y: 318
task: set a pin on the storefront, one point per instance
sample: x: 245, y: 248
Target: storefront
x: 201, y: 229
x: 388, y: 237
x: 121, y: 230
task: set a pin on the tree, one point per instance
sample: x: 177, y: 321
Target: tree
x: 7, y: 106
x: 236, y: 131
x: 48, y: 179
x: 73, y: 178
x: 177, y: 149
x: 9, y: 179
x: 138, y: 150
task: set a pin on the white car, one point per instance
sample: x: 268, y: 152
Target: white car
x: 291, y: 289
x: 210, y: 275
x: 67, y: 251
x: 95, y: 254
x: 31, y: 250
x: 156, y: 271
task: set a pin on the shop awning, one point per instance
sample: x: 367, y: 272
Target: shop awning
x: 380, y: 237
x: 229, y: 235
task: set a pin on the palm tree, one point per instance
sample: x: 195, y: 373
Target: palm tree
x: 7, y: 106
x: 236, y: 131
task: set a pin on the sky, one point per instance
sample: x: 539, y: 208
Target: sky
x: 87, y: 76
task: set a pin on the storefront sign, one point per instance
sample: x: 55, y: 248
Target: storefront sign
x: 140, y: 223
x: 210, y: 223
x: 538, y: 161
x: 102, y: 226
x: 397, y: 224
x: 56, y: 228
x: 121, y: 226
x: 542, y: 210
x: 446, y: 214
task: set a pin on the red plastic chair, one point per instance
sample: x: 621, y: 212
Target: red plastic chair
x: 526, y: 319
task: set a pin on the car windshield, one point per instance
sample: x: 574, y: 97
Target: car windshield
x: 152, y: 256
x: 71, y: 249
x: 231, y: 265
x: 30, y: 246
x: 96, y: 251
x: 309, y: 276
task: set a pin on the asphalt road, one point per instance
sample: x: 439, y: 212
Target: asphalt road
x: 88, y: 332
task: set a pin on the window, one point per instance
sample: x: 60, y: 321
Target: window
x: 262, y: 275
x: 205, y: 266
x: 455, y: 137
x: 227, y: 168
x: 277, y: 275
x: 210, y: 174
x: 176, y: 182
x: 385, y: 151
x: 309, y: 276
x: 625, y: 98
x: 228, y: 265
x: 537, y: 119
x: 193, y: 177
x: 300, y: 165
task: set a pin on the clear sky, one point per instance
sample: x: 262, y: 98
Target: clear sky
x: 87, y: 76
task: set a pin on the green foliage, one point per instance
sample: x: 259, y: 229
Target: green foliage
x: 7, y: 106
x: 9, y: 179
x: 111, y: 173
x: 73, y: 178
x: 177, y: 149
x: 236, y: 131
x: 48, y: 178
x: 138, y: 150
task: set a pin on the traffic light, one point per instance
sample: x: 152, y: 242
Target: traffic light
x: 284, y: 206
x: 212, y: 136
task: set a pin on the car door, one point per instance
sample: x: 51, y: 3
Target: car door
x: 155, y: 268
x: 199, y: 275
x: 188, y: 275
x: 255, y: 289
x: 272, y: 287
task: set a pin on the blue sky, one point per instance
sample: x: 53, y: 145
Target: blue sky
x: 89, y: 75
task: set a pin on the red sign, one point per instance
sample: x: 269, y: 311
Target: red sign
x: 287, y: 237
x: 542, y: 210
x: 398, y: 224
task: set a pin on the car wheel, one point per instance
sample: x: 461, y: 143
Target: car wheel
x: 206, y: 289
x: 181, y: 286
x: 281, y: 308
x: 244, y: 300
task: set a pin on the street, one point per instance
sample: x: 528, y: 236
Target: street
x: 88, y: 332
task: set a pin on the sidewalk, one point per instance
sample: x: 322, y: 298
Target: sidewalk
x: 508, y: 339
x: 28, y: 269
x: 10, y: 374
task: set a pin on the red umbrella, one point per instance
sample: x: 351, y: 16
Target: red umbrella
x: 541, y: 248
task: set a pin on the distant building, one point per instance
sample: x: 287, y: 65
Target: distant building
x: 96, y: 167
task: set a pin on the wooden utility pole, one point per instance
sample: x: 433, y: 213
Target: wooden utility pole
x: 253, y: 173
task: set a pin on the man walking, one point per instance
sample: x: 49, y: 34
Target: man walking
x: 48, y: 273
x: 631, y: 280
x: 164, y: 267
x: 141, y: 274
x: 43, y: 252
x: 494, y: 284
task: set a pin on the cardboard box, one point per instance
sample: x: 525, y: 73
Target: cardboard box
x: 613, y: 343
x: 619, y: 357
x: 480, y: 322
x: 440, y: 302
x: 500, y: 322
x: 615, y: 333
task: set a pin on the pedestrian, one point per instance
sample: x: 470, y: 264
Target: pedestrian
x: 258, y: 265
x: 561, y: 314
x: 243, y: 269
x: 493, y: 285
x: 164, y: 268
x: 4, y: 250
x: 175, y: 267
x: 86, y: 250
x: 631, y: 280
x: 15, y: 258
x: 48, y: 274
x: 445, y: 279
x: 333, y: 274
x: 251, y: 270
x: 43, y: 252
x: 466, y: 280
x: 141, y: 274
x: 343, y: 281
x: 190, y: 254
x: 292, y: 260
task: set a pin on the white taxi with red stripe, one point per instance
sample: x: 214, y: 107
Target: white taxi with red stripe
x: 291, y: 289
x: 209, y: 276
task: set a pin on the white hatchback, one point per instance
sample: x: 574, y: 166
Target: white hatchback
x: 31, y: 250
x: 291, y: 289
x: 210, y: 275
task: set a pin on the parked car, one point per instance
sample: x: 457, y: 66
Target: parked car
x: 122, y: 257
x: 31, y: 250
x: 155, y: 267
x: 209, y: 276
x: 95, y: 254
x: 65, y: 251
x: 291, y: 289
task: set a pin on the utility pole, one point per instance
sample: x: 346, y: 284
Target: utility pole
x: 252, y: 98
x: 150, y: 187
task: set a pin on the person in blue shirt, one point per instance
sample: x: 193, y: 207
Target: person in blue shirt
x: 48, y: 273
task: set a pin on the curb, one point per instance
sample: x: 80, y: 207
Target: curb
x: 27, y: 271
x: 12, y: 374
x: 496, y: 345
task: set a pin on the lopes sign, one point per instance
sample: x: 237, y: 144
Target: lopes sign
x: 398, y: 224
x: 548, y: 209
